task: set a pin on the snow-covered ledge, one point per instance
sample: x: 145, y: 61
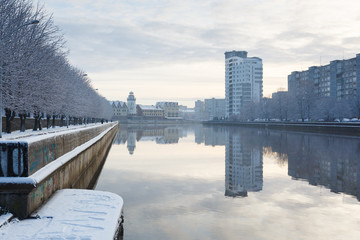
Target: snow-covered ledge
x: 77, y: 157
x: 72, y: 214
x: 23, y: 156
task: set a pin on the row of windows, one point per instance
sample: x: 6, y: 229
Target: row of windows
x: 349, y: 74
x: 152, y: 114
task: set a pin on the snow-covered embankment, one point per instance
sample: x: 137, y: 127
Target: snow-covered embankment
x: 35, y: 167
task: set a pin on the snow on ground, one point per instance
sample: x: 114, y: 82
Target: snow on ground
x: 4, y: 218
x: 70, y: 214
x: 30, y: 133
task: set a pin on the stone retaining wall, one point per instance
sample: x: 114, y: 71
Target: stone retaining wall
x: 56, y: 167
x: 23, y: 157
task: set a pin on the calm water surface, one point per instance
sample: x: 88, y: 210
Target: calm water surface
x: 195, y: 182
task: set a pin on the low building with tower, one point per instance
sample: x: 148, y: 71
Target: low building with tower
x: 131, y: 104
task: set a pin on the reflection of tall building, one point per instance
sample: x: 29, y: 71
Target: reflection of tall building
x: 131, y: 142
x: 243, y: 166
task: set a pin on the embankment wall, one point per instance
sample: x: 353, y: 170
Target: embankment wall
x: 71, y: 159
x: 351, y: 129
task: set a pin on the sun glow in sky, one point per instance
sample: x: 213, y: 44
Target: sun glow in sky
x: 174, y: 50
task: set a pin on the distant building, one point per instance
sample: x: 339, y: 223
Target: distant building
x: 215, y: 108
x: 120, y: 109
x: 243, y: 81
x: 279, y: 94
x: 150, y: 112
x: 199, y: 106
x: 188, y: 114
x: 200, y: 113
x: 281, y: 103
x: 340, y: 79
x: 171, y: 109
x: 131, y: 103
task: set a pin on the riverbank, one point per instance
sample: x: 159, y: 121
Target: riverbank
x: 155, y: 121
x: 351, y: 129
x: 36, y: 166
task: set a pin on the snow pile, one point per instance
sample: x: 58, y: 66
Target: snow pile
x: 71, y: 214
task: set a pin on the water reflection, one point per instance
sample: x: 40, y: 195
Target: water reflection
x: 330, y: 161
x: 175, y: 181
x: 130, y: 134
x: 243, y: 157
x: 325, y: 160
x: 243, y: 165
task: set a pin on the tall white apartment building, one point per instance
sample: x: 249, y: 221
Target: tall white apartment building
x: 243, y: 81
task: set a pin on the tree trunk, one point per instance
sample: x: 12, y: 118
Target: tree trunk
x: 9, y: 117
x: 22, y: 122
x: 48, y: 120
x: 62, y: 121
x: 35, y: 121
x: 53, y: 121
x: 39, y: 122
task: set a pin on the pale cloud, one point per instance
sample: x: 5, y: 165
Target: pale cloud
x: 130, y: 36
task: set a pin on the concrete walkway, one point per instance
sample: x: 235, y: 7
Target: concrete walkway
x: 71, y: 214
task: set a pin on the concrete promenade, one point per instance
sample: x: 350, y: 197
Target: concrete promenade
x: 71, y: 214
x: 351, y: 129
x: 33, y: 168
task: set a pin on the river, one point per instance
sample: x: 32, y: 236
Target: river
x: 204, y: 182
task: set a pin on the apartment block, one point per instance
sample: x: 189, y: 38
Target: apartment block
x: 243, y: 81
x: 340, y: 79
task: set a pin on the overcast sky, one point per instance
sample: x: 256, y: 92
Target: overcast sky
x: 174, y: 50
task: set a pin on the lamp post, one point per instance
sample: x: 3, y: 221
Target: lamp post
x: 33, y: 22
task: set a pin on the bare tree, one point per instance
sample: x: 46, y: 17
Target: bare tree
x: 37, y: 77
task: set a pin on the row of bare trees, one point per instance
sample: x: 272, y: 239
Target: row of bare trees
x: 306, y: 107
x: 35, y: 72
